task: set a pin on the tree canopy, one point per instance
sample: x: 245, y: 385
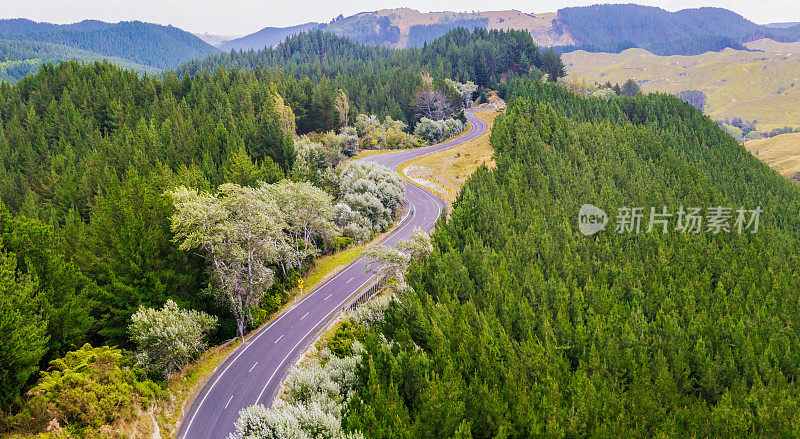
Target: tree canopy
x: 518, y: 325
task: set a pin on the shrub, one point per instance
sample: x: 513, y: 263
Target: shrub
x: 316, y: 395
x: 344, y: 336
x: 387, y: 135
x: 373, y: 191
x: 435, y: 131
x: 167, y: 338
x: 371, y: 313
x: 85, y: 390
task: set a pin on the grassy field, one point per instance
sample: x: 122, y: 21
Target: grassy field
x: 445, y: 172
x: 761, y: 86
x: 781, y: 153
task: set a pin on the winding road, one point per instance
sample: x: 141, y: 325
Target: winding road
x: 254, y: 371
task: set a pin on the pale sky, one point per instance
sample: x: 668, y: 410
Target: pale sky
x: 241, y: 17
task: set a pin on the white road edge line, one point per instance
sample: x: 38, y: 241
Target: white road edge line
x: 261, y: 332
x: 303, y: 339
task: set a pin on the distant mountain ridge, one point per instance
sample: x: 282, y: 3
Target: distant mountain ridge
x: 20, y: 58
x: 609, y: 28
x: 267, y: 37
x: 782, y: 25
x: 613, y: 28
x: 405, y: 27
x: 598, y: 28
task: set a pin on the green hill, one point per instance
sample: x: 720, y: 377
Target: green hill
x: 518, y: 325
x: 20, y: 58
x: 147, y: 44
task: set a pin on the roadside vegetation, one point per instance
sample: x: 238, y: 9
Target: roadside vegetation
x: 135, y: 208
x: 517, y: 325
x: 319, y: 388
x: 445, y: 172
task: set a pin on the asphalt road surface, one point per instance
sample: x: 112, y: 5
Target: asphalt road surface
x: 254, y: 371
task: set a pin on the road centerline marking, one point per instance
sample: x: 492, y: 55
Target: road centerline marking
x: 402, y: 226
x: 279, y: 339
x: 315, y: 327
x: 254, y: 366
x: 229, y: 402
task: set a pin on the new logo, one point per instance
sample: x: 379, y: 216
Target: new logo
x: 591, y: 219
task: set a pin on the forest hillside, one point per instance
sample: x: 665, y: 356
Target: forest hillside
x: 520, y: 325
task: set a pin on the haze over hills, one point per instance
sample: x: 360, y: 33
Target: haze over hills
x: 215, y: 39
x: 20, y: 58
x: 267, y: 37
x: 405, y: 27
x: 782, y: 25
x: 611, y: 28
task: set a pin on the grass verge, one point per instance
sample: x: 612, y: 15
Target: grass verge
x: 445, y: 172
x: 184, y: 387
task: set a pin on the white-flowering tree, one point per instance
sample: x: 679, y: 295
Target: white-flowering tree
x: 365, y: 123
x: 372, y: 190
x: 351, y: 223
x: 167, y: 338
x: 465, y: 90
x: 434, y: 131
x: 387, y: 261
x: 392, y: 262
x: 417, y: 246
x: 372, y: 313
x: 240, y: 232
x: 391, y: 134
x: 434, y: 103
x: 307, y: 214
x: 339, y: 146
x: 310, y: 158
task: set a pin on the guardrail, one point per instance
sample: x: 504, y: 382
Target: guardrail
x: 365, y: 295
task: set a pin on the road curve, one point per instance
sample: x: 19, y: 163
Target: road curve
x: 254, y: 371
